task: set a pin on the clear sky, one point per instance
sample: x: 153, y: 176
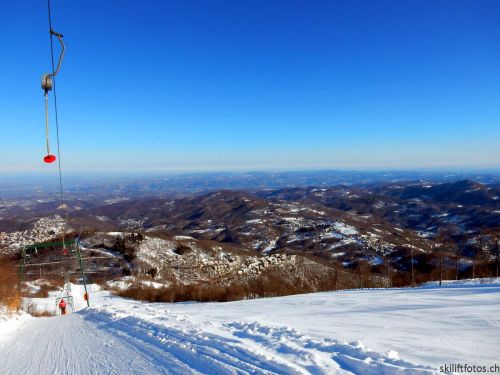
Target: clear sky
x: 210, y: 85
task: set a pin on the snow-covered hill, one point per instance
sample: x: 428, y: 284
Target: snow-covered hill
x: 381, y: 228
x: 411, y: 331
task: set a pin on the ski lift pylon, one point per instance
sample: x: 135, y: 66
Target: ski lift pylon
x: 68, y: 246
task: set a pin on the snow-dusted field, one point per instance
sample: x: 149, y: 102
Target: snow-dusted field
x: 362, y: 332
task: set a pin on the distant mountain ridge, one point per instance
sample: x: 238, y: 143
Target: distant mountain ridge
x: 133, y: 185
x: 345, y: 224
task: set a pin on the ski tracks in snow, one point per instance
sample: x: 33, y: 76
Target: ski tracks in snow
x: 245, y: 348
x: 68, y: 345
x: 101, y: 342
x: 325, y: 356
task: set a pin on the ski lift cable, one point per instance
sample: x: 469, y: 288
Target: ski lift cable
x: 53, y: 77
x: 47, y: 84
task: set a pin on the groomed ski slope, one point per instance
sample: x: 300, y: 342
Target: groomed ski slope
x: 398, y: 331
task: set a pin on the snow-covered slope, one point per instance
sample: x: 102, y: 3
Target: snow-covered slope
x: 488, y: 281
x: 395, y: 331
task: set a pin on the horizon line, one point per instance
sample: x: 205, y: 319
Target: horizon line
x: 482, y: 170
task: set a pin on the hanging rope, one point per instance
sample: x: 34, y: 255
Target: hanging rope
x: 52, y: 33
x: 46, y: 95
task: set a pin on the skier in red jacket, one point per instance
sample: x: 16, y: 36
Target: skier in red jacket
x: 62, y: 306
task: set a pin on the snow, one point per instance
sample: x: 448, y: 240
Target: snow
x: 346, y: 230
x: 390, y: 331
x: 343, y: 242
x: 183, y: 238
x: 299, y: 209
x: 376, y: 261
x: 10, y: 322
x: 425, y: 234
x: 127, y: 281
x: 492, y: 281
x: 254, y: 221
x: 154, y: 251
x: 271, y: 246
x: 49, y: 304
x: 328, y: 235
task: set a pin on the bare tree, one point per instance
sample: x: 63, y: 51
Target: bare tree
x: 497, y: 255
x: 444, y: 251
x: 477, y: 253
x: 389, y: 279
x: 382, y: 249
x: 440, y: 269
x: 335, y: 279
x: 363, y: 269
x: 457, y: 260
x: 494, y: 236
x: 360, y: 276
x: 441, y: 256
x: 412, y: 270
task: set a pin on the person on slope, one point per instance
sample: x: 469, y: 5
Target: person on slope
x: 62, y: 306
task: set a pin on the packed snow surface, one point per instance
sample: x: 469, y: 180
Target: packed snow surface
x: 395, y: 331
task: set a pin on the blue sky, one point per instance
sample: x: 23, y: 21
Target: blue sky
x: 212, y: 85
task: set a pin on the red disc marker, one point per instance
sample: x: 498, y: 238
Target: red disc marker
x: 49, y: 158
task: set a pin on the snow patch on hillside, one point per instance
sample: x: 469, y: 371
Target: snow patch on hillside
x: 345, y: 229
